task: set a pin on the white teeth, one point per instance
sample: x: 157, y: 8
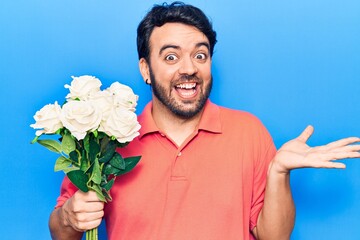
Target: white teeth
x: 186, y: 85
x: 188, y: 93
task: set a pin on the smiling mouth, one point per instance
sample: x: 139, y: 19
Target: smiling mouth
x: 186, y: 90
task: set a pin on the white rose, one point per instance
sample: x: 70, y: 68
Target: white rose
x: 80, y: 117
x: 82, y: 87
x: 47, y: 119
x: 122, y: 124
x: 103, y: 100
x: 123, y: 96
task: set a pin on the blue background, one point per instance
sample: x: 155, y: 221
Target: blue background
x: 291, y: 63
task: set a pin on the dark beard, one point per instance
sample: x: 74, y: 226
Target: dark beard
x: 172, y: 105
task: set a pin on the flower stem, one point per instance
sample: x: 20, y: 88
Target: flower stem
x: 92, y: 234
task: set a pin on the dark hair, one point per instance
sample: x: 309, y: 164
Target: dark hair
x: 177, y: 12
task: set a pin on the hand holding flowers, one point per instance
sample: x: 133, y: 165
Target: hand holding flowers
x: 91, y: 124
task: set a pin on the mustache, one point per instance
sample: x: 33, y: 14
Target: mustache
x: 188, y: 78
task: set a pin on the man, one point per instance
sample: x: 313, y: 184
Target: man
x: 206, y: 172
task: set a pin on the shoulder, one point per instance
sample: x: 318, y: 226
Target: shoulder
x: 246, y: 132
x: 238, y: 117
x: 242, y: 123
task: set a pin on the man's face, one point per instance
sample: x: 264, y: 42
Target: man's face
x: 180, y: 68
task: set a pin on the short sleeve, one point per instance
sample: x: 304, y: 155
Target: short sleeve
x: 67, y: 190
x: 267, y: 151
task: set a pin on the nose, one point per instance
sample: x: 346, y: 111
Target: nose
x: 187, y: 66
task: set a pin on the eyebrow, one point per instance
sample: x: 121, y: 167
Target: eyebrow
x: 198, y: 45
x: 206, y: 44
x: 163, y: 48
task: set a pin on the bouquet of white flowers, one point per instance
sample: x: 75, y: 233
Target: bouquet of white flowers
x: 91, y: 124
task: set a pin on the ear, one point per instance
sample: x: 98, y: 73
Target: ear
x: 144, y: 70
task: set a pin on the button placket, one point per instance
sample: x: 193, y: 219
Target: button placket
x: 179, y: 171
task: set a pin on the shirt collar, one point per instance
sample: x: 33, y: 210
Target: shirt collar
x: 146, y: 121
x: 210, y: 120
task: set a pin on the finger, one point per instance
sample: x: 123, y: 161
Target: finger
x: 95, y: 206
x: 93, y: 224
x: 344, y: 155
x: 338, y: 165
x: 343, y: 142
x: 349, y: 148
x: 325, y: 157
x: 325, y: 164
x: 325, y: 161
x: 88, y: 207
x: 305, y: 135
x: 88, y: 217
x: 89, y: 196
x: 84, y: 226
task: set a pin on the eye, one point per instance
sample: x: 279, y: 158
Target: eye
x: 201, y: 56
x: 171, y: 57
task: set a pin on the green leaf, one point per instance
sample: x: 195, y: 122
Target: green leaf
x: 94, y: 149
x: 69, y: 169
x: 130, y: 163
x: 101, y: 135
x: 104, y: 142
x: 74, y: 156
x: 107, y: 151
x: 121, y: 145
x: 107, y: 195
x: 98, y: 191
x: 68, y: 144
x: 118, y: 161
x: 62, y: 163
x: 50, y: 144
x: 79, y: 179
x: 89, y: 169
x: 95, y: 132
x: 107, y: 186
x: 96, y: 172
x: 84, y: 163
x: 86, y: 142
x: 108, y: 169
x: 107, y: 156
x: 58, y: 132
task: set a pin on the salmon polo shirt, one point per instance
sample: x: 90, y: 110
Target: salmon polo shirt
x: 209, y: 188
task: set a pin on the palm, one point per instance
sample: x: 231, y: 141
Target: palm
x: 297, y: 154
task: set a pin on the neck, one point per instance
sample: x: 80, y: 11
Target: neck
x: 175, y: 127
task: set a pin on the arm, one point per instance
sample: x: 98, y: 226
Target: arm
x: 277, y: 217
x: 81, y: 212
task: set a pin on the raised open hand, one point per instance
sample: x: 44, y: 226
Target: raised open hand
x: 297, y: 154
